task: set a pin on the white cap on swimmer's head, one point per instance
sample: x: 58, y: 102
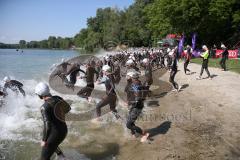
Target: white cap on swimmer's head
x: 145, y: 60
x: 6, y: 79
x: 129, y: 62
x: 42, y: 89
x: 204, y: 47
x: 168, y: 50
x: 107, y: 58
x: 106, y: 68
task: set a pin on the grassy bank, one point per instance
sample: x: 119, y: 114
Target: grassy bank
x: 232, y: 64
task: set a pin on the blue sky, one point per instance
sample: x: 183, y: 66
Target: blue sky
x: 38, y: 19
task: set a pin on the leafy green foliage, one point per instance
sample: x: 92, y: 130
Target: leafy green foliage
x: 22, y: 43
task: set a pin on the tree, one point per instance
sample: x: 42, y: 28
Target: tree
x: 22, y: 44
x: 80, y: 38
x: 43, y: 44
x: 33, y: 44
x: 51, y: 42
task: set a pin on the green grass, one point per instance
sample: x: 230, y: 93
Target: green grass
x: 232, y: 64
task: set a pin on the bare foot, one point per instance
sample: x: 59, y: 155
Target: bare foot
x: 89, y: 99
x: 144, y: 137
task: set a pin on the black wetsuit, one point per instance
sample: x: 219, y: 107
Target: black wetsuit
x: 205, y: 66
x: 15, y: 86
x: 128, y: 90
x: 224, y: 58
x: 148, y: 80
x: 62, y: 71
x: 117, y: 74
x: 54, y: 131
x: 162, y: 60
x: 2, y: 93
x: 86, y: 92
x: 187, y: 60
x: 136, y: 109
x: 173, y: 73
x: 75, y: 69
x: 110, y: 97
x: 169, y: 61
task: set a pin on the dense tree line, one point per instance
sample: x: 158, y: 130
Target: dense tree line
x: 147, y: 21
x: 9, y: 46
x: 51, y: 43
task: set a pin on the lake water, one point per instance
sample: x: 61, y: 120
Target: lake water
x: 31, y: 64
x: 20, y: 119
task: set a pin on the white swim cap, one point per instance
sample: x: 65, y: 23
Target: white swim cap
x: 106, y: 68
x: 42, y: 89
x: 145, y: 60
x: 6, y: 79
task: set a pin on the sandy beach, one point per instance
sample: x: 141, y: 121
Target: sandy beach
x: 199, y: 122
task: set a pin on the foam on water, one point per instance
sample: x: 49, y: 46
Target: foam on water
x: 20, y: 116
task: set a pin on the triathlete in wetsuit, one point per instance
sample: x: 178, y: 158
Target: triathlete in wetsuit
x: 148, y: 81
x: 128, y: 90
x: 205, y: 56
x: 62, y: 71
x: 73, y: 72
x: 174, y: 71
x: 224, y: 57
x: 117, y: 72
x: 14, y: 85
x: 110, y: 98
x: 137, y: 106
x: 55, y: 130
x: 90, y: 71
x: 187, y: 59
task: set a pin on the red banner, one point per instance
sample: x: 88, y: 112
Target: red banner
x: 232, y: 53
x: 171, y: 36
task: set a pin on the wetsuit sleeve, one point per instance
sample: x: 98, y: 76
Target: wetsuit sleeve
x: 46, y: 121
x: 16, y: 83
